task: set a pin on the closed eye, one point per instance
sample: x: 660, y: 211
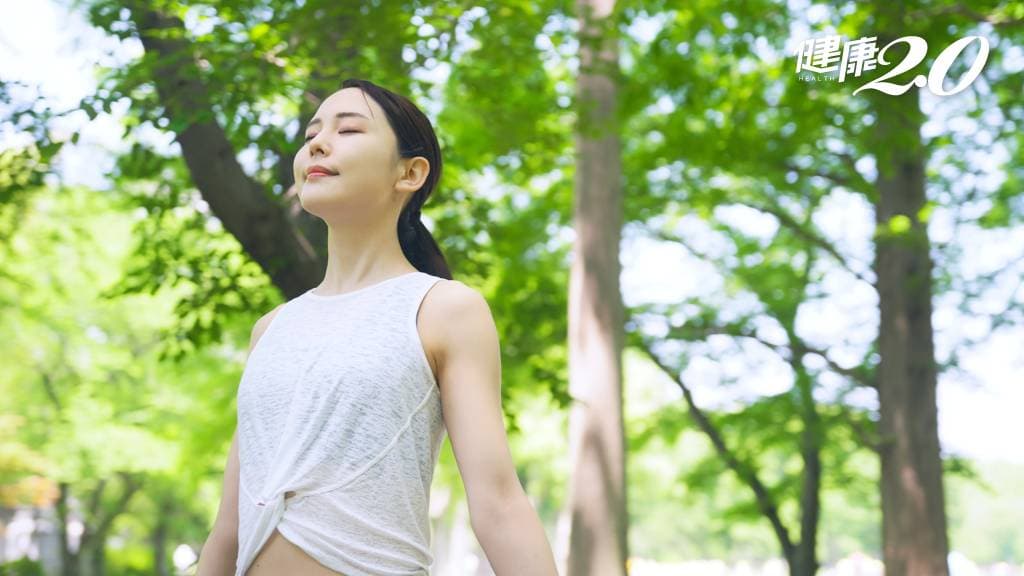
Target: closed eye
x: 308, y: 138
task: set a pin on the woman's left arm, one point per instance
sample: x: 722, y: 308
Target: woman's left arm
x: 469, y: 376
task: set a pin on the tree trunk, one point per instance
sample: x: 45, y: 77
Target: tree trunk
x: 805, y: 562
x: 597, y: 500
x: 913, y: 504
x: 68, y: 560
x: 160, y: 565
x: 96, y: 555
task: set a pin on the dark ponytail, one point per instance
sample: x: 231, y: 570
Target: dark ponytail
x: 416, y: 137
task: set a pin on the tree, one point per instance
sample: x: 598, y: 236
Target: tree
x: 104, y: 432
x: 727, y: 128
x: 914, y: 527
x: 597, y: 501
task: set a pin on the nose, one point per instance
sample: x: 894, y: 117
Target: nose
x: 317, y: 144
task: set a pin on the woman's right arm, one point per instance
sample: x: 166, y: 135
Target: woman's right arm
x: 220, y: 551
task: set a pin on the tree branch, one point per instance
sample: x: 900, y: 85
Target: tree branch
x: 132, y: 484
x: 788, y: 221
x: 765, y: 503
x: 242, y: 205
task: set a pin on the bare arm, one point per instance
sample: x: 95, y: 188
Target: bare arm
x: 221, y: 548
x: 469, y: 375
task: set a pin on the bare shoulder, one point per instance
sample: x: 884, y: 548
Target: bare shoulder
x: 261, y: 325
x: 453, y: 296
x: 451, y: 314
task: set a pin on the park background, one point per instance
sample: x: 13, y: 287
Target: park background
x: 742, y: 212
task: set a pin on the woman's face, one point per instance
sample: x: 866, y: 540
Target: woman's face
x: 359, y: 149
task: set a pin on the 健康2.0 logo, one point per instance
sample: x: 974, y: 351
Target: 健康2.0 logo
x: 829, y: 55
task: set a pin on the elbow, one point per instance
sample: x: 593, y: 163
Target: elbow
x: 495, y: 504
x: 224, y: 535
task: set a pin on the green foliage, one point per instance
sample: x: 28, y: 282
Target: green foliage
x: 985, y: 513
x: 132, y: 560
x: 21, y: 567
x: 713, y: 126
x: 500, y: 94
x: 91, y: 403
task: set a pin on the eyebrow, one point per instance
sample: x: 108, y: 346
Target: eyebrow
x: 338, y: 115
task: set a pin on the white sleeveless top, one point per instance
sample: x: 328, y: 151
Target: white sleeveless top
x: 338, y: 403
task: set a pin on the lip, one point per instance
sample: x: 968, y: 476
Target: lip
x: 318, y: 170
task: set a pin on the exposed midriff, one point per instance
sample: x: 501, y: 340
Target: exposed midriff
x: 279, y: 556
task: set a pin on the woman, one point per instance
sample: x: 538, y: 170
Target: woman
x: 350, y: 387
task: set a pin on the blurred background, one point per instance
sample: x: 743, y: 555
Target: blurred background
x: 815, y: 361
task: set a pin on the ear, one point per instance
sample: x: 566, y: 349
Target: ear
x: 413, y: 173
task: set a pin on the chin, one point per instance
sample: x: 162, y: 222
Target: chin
x: 321, y: 200
x: 319, y: 190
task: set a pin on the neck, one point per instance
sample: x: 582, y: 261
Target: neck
x: 362, y: 253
